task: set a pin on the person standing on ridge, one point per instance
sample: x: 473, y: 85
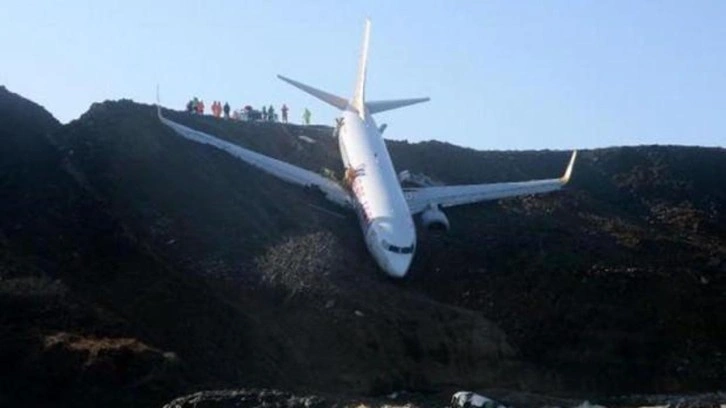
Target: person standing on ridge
x: 271, y: 113
x: 201, y: 107
x: 306, y: 116
x: 264, y: 112
x: 226, y: 110
x: 284, y: 113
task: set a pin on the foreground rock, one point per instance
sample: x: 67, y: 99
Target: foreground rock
x: 252, y: 398
x: 247, y: 399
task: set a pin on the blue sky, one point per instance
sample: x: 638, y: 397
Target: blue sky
x: 501, y: 74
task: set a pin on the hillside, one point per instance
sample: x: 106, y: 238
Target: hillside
x: 61, y: 340
x: 133, y: 259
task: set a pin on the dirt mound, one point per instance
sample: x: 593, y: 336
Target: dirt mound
x: 151, y: 238
x: 122, y: 242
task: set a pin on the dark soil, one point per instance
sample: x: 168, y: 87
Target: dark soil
x: 136, y: 266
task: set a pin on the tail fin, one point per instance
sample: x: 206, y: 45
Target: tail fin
x: 331, y: 99
x: 358, y: 102
x: 359, y: 98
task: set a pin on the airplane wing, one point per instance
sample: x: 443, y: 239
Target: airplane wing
x: 284, y: 171
x: 448, y: 196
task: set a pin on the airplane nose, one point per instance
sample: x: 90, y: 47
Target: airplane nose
x: 384, y: 241
x: 397, y: 265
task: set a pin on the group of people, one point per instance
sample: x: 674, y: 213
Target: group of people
x: 195, y: 105
x: 217, y: 109
x: 267, y: 114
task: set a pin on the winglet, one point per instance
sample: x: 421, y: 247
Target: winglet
x: 158, y: 103
x: 566, y: 177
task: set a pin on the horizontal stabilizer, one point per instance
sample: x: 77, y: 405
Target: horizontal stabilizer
x: 381, y: 106
x: 331, y: 99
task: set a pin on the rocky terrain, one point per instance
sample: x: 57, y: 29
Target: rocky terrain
x: 136, y: 266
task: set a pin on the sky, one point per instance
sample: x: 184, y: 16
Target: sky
x: 501, y: 75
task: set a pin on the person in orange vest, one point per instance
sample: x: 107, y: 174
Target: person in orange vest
x: 217, y: 108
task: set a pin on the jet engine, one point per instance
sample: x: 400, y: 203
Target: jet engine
x: 434, y: 220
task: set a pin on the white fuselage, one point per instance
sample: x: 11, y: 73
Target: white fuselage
x: 384, y: 215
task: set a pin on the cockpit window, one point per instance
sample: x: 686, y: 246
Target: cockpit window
x: 396, y: 249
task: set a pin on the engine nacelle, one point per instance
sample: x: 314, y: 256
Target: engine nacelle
x: 434, y: 220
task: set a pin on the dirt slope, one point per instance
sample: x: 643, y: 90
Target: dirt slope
x: 169, y: 267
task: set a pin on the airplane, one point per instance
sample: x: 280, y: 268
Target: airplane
x: 371, y: 186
